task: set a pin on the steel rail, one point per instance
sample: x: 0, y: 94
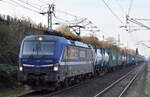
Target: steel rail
x: 54, y: 92
x: 129, y: 84
x: 113, y: 84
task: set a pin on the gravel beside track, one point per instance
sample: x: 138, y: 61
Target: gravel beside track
x: 138, y: 87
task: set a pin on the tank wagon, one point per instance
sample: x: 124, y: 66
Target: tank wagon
x: 101, y: 59
x: 51, y: 61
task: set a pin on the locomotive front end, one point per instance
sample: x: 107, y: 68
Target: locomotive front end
x: 38, y: 61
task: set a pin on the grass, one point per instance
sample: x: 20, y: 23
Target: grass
x: 8, y: 77
x: 147, y: 84
x: 13, y: 92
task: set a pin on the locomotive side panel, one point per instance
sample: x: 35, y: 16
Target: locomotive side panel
x: 77, y: 61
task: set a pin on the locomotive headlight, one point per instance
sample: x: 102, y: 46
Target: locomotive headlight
x: 40, y: 38
x: 20, y: 68
x: 56, y: 67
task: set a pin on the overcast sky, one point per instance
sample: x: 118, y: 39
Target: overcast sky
x: 95, y: 11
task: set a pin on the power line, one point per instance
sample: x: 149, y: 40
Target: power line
x: 119, y: 5
x: 78, y: 21
x: 29, y: 4
x: 65, y: 12
x: 63, y: 19
x: 130, y: 6
x: 8, y: 3
x: 142, y: 19
x: 108, y: 1
x: 14, y: 4
x: 138, y: 23
x: 112, y: 12
x: 24, y: 6
x: 43, y: 2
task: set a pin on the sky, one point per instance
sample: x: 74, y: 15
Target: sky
x: 95, y: 11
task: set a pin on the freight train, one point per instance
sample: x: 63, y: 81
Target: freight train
x: 47, y: 61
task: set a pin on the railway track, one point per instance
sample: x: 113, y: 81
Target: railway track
x: 49, y: 93
x: 120, y: 86
x: 127, y: 79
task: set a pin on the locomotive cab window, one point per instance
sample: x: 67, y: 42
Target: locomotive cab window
x: 38, y: 48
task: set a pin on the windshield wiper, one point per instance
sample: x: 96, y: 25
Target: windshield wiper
x: 31, y: 56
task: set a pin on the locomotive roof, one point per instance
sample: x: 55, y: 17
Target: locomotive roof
x: 46, y: 37
x: 61, y: 39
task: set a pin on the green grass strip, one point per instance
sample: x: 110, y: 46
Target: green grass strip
x: 13, y: 92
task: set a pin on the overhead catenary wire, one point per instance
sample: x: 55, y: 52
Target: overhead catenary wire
x: 43, y: 2
x: 78, y: 20
x: 139, y: 23
x: 128, y: 13
x: 29, y: 4
x: 62, y: 19
x: 33, y: 8
x: 14, y: 4
x: 9, y: 3
x: 58, y: 10
x: 130, y: 6
x: 28, y: 8
x: 24, y: 6
x: 120, y: 6
x: 108, y: 1
x: 134, y: 20
x: 114, y: 14
x: 142, y: 19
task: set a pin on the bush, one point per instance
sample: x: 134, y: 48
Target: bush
x: 8, y: 76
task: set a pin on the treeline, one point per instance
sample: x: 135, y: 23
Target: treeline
x: 12, y: 31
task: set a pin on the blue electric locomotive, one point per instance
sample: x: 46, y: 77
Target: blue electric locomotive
x: 46, y: 61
